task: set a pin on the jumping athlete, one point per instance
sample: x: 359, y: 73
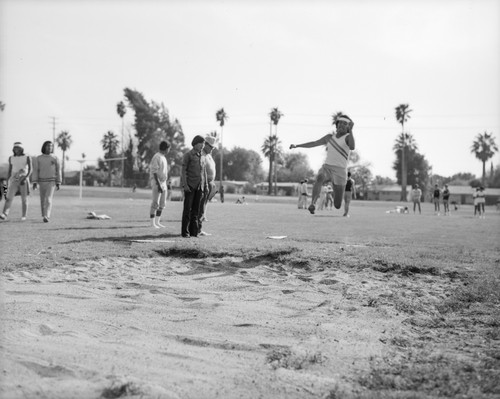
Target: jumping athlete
x: 338, y: 147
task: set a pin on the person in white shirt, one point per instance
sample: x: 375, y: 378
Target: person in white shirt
x: 338, y: 147
x: 20, y: 168
x: 416, y: 195
x: 303, y: 194
x: 158, y: 173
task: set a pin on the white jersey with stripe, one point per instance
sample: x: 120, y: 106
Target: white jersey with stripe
x: 337, y: 151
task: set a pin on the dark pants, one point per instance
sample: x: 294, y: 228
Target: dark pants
x: 191, y: 212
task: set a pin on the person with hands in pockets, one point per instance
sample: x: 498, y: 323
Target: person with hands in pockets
x: 194, y: 184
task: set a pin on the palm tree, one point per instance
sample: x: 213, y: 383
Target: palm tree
x: 269, y: 149
x: 64, y: 142
x: 121, y: 110
x: 402, y: 116
x: 221, y: 117
x: 484, y: 147
x: 275, y: 116
x: 110, y: 144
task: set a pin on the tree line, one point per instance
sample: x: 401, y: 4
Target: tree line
x: 153, y: 123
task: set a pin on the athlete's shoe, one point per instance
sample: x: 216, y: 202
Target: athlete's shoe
x: 45, y: 219
x: 203, y: 233
x: 311, y: 209
x: 3, y: 216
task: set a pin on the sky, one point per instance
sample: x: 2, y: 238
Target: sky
x: 64, y: 65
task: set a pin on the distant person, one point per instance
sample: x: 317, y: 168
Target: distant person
x: 241, y: 200
x: 338, y: 147
x: 475, y: 201
x: 193, y: 183
x: 436, y: 197
x: 20, y: 168
x: 416, y: 197
x: 303, y: 194
x: 169, y: 189
x: 350, y: 193
x: 322, y: 196
x: 3, y: 189
x: 211, y: 187
x: 446, y: 200
x: 329, y: 196
x: 481, y: 201
x: 158, y: 173
x: 134, y: 188
x: 221, y: 193
x: 47, y: 176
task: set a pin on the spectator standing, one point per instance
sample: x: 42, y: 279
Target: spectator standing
x: 303, y: 194
x: 158, y: 173
x: 416, y: 196
x: 211, y: 187
x: 436, y: 196
x: 446, y: 200
x: 350, y: 193
x: 481, y: 201
x: 20, y: 168
x: 193, y: 183
x: 47, y: 177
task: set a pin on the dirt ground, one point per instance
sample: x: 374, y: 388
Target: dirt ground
x: 246, y: 329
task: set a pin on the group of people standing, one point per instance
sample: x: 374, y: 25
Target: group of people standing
x: 197, y: 183
x: 45, y: 173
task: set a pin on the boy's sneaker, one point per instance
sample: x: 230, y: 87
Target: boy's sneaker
x: 23, y: 218
x: 202, y: 233
x: 3, y: 216
x: 45, y: 219
x: 311, y: 209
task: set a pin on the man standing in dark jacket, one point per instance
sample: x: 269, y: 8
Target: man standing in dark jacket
x: 193, y: 182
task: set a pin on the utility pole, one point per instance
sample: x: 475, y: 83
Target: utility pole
x: 53, y: 130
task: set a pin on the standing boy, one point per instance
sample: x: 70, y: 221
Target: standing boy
x: 158, y: 173
x: 416, y: 195
x: 46, y: 175
x: 20, y: 168
x: 436, y: 197
x: 193, y: 182
x: 303, y: 194
x: 350, y: 193
x: 212, y: 190
x: 446, y: 200
x: 338, y: 147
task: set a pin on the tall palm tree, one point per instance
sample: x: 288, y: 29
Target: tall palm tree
x: 64, y: 142
x: 110, y: 144
x: 270, y: 151
x: 402, y: 116
x: 121, y: 110
x: 484, y: 147
x: 275, y: 116
x: 221, y: 117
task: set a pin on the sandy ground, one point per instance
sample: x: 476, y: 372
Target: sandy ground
x: 177, y: 328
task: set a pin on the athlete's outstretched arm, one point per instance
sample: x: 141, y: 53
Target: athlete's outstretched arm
x: 311, y: 144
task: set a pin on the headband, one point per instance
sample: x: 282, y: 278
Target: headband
x: 344, y: 119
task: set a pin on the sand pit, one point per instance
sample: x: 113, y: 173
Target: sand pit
x: 189, y: 328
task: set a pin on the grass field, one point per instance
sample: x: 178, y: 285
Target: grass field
x: 376, y: 305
